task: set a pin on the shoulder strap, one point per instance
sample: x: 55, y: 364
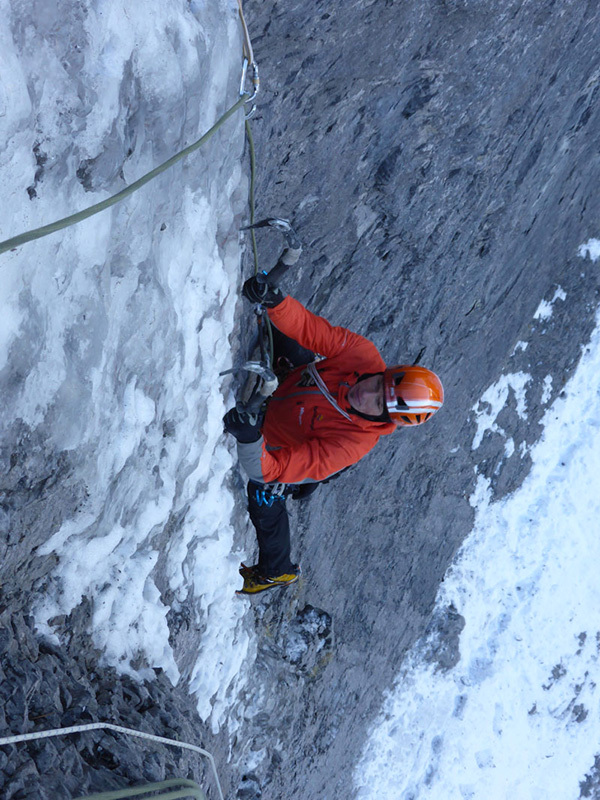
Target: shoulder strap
x: 314, y: 373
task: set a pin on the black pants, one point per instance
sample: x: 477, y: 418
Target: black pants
x: 268, y: 512
x: 269, y: 516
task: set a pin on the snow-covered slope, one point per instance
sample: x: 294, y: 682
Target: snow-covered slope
x: 517, y: 715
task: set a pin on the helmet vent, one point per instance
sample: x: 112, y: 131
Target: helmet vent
x: 412, y: 394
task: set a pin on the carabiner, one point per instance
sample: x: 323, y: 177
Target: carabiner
x: 255, y: 84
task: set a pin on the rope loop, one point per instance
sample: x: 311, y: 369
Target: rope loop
x: 109, y: 726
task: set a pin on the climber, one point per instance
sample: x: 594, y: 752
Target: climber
x: 324, y: 416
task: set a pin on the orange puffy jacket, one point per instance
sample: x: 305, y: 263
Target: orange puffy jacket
x: 306, y: 439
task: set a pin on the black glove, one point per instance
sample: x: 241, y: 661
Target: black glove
x: 258, y: 292
x: 243, y: 425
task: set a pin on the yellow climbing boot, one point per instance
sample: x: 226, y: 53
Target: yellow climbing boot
x: 254, y: 582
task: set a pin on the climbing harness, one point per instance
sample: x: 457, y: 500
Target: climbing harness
x: 101, y: 726
x: 245, y: 97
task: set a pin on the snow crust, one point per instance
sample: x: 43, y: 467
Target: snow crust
x: 518, y: 716
x: 590, y: 248
x: 545, y: 308
x: 113, y: 332
x: 493, y: 401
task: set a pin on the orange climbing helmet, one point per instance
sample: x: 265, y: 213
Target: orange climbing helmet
x: 412, y: 394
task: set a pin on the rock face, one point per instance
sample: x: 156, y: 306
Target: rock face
x: 439, y: 160
x: 44, y: 687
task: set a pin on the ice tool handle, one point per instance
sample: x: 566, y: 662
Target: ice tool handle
x: 268, y: 380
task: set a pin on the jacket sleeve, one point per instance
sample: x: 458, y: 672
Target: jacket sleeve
x: 314, y: 332
x: 313, y: 460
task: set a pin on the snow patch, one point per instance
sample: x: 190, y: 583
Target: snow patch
x: 493, y: 401
x: 520, y: 346
x: 546, y: 389
x: 591, y: 248
x: 545, y: 308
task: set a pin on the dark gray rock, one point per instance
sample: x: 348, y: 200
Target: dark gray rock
x: 5, y: 639
x: 249, y: 788
x: 153, y: 768
x: 45, y: 756
x: 438, y: 161
x: 590, y: 786
x: 305, y: 641
x: 56, y: 689
x: 442, y: 638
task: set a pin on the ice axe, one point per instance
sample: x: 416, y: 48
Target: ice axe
x: 267, y: 379
x: 290, y: 255
x: 264, y: 388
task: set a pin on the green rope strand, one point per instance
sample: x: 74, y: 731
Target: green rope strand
x: 251, y: 198
x: 37, y: 233
x: 251, y: 148
x: 181, y: 789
